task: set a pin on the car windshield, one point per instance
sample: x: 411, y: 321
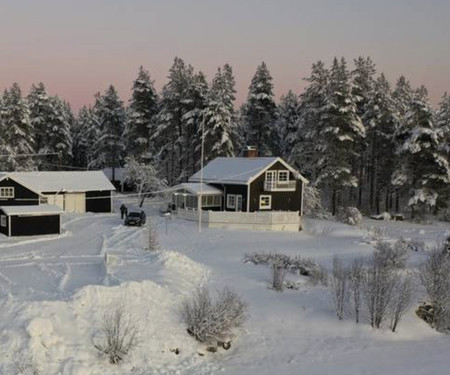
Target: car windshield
x: 134, y: 214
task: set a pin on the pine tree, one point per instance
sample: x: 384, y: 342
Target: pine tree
x: 84, y: 134
x: 443, y: 124
x: 342, y: 133
x: 109, y: 147
x: 17, y: 132
x: 287, y: 124
x: 220, y: 131
x: 425, y: 170
x: 141, y: 119
x: 260, y: 112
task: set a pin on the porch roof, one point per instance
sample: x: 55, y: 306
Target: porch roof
x: 195, y: 188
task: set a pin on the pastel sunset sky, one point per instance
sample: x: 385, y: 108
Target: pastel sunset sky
x: 79, y: 47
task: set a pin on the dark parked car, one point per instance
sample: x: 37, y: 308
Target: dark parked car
x: 136, y: 218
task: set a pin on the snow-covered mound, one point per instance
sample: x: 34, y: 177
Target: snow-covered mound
x: 57, y: 335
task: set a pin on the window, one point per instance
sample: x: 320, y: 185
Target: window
x: 3, y: 221
x: 271, y: 175
x: 6, y: 192
x: 231, y: 201
x: 211, y: 201
x: 265, y: 202
x: 283, y: 176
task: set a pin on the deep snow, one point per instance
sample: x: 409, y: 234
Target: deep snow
x: 54, y: 291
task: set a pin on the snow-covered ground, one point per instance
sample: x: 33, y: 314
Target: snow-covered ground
x: 54, y: 292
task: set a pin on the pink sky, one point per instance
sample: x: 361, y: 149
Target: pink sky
x: 80, y: 47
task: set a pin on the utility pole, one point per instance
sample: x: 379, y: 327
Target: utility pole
x: 200, y: 198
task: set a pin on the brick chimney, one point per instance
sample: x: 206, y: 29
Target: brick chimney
x: 250, y: 152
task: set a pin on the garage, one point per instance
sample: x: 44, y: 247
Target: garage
x: 30, y: 220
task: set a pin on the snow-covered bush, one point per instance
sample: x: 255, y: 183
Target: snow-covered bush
x: 24, y: 364
x: 392, y: 255
x: 340, y: 287
x: 119, y: 334
x: 413, y: 244
x: 401, y: 300
x: 278, y: 276
x: 349, y: 215
x: 296, y: 264
x: 376, y: 234
x: 435, y: 277
x: 356, y: 286
x: 213, y: 321
x: 152, y: 239
x: 313, y: 207
x: 379, y: 287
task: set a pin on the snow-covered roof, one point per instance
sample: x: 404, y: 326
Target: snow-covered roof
x: 239, y: 170
x: 55, y: 181
x: 195, y: 188
x: 43, y: 209
x: 119, y: 174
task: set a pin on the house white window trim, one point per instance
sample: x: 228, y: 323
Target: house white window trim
x: 264, y: 206
x: 7, y: 192
x: 286, y: 172
x: 273, y: 174
x: 231, y: 201
x: 3, y: 221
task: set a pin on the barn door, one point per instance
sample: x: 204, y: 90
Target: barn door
x: 75, y: 202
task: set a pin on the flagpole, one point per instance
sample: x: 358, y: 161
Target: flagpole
x: 201, y: 176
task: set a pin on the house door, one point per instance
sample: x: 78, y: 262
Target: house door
x: 238, y: 202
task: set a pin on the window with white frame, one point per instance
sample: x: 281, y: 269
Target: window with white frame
x: 6, y: 192
x: 211, y: 201
x: 265, y: 202
x: 231, y: 201
x: 3, y: 221
x: 283, y: 176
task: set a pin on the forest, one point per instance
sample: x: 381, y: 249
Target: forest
x: 361, y: 140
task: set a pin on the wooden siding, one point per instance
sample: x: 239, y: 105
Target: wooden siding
x: 233, y: 189
x: 22, y: 195
x: 281, y: 200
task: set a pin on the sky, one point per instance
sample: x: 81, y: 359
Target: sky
x: 79, y: 47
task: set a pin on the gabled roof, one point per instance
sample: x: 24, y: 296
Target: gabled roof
x: 239, y: 170
x: 197, y: 188
x: 4, y: 175
x: 43, y: 209
x: 55, y: 181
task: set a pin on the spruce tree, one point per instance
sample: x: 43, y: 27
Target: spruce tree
x: 443, y: 124
x: 220, y: 128
x: 109, y: 147
x: 141, y: 119
x: 41, y: 110
x: 343, y: 131
x: 18, y: 132
x: 260, y: 112
x: 287, y: 124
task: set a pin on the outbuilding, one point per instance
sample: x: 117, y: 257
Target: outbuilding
x: 30, y: 220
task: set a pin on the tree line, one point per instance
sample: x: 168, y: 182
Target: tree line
x: 359, y: 140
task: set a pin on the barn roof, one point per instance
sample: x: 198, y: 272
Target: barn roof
x: 56, y: 181
x: 239, y: 170
x: 43, y: 209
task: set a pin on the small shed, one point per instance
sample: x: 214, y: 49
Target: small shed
x: 30, y: 220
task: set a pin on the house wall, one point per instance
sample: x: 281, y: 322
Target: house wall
x: 35, y: 225
x: 101, y: 203
x: 22, y: 195
x: 233, y: 189
x: 4, y: 230
x: 281, y: 200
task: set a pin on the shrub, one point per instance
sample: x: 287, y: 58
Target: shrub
x: 356, y: 286
x: 24, y: 364
x: 213, y: 321
x: 339, y: 285
x: 349, y: 215
x: 401, y: 300
x: 435, y: 277
x: 392, y: 255
x: 295, y: 264
x: 120, y: 334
